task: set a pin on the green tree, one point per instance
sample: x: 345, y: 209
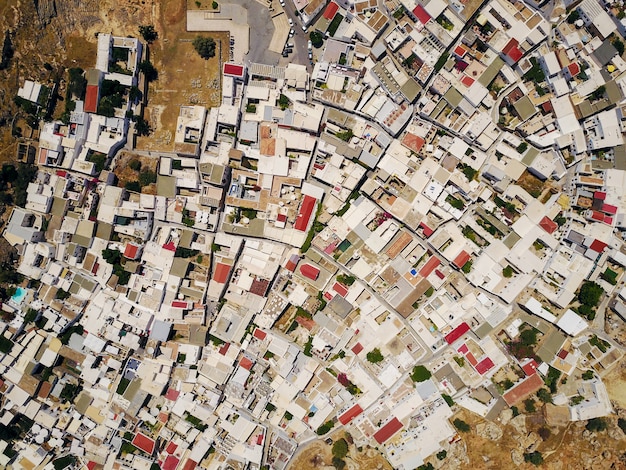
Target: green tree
x: 134, y: 94
x: 133, y: 186
x: 461, y: 425
x: 147, y: 177
x: 441, y: 455
x: 529, y: 405
x: 283, y: 102
x: 148, y: 33
x: 340, y: 448
x: 7, y: 51
x: 588, y: 375
x: 142, y: 126
x: 317, y: 39
x: 544, y: 395
x: 596, y: 425
x: 590, y: 293
x: 619, y: 45
x: 621, y: 422
x: 507, y: 272
x: 420, y: 374
x: 148, y: 70
x: 374, y: 356
x: 534, y: 457
x: 111, y: 256
x: 135, y: 164
x: 204, y: 46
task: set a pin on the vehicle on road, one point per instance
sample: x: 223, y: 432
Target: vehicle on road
x: 290, y: 22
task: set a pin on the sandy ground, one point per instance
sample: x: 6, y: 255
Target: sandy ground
x: 318, y: 455
x: 184, y: 77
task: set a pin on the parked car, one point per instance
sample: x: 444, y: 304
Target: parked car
x: 290, y: 22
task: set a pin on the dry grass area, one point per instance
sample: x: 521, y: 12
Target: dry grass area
x: 564, y: 448
x: 318, y: 455
x: 615, y: 382
x: 184, y: 77
x: 533, y: 185
x: 125, y: 173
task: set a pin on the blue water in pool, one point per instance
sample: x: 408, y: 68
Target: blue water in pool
x: 19, y: 295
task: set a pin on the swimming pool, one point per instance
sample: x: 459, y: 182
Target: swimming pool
x: 19, y: 295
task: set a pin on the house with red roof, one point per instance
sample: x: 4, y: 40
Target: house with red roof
x: 143, y: 442
x: 349, y: 415
x: 309, y: 271
x: 92, y: 97
x: 304, y: 214
x: 331, y: 11
x: 548, y: 225
x: 461, y: 259
x: 234, y: 70
x: 421, y: 14
x: 511, y: 51
x: 388, y: 430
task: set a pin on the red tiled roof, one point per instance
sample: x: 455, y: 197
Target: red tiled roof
x: 340, y: 289
x: 259, y: 439
x: 281, y: 218
x: 467, y: 81
x: 131, y: 251
x: 171, y: 447
x: 233, y: 69
x: 180, y: 304
x: 471, y: 359
x: 530, y: 367
x: 512, y: 50
x: 190, y: 465
x: 172, y: 394
x: 574, y: 69
x: 596, y: 215
x: 427, y: 230
x: 439, y: 274
x: 525, y: 388
x: 91, y: 465
x: 462, y: 258
x: 609, y: 209
x: 598, y: 246
x: 421, y: 14
x: 463, y: 349
x: 259, y: 334
x: 460, y: 51
x: 413, y: 142
x: 599, y: 195
x: 548, y: 224
x: 388, y: 430
x: 331, y: 11
x: 170, y: 463
x: 221, y: 273
x: 304, y: 215
x: 246, y: 363
x: 357, y: 348
x: 484, y: 366
x: 309, y: 271
x: 91, y: 99
x: 170, y: 246
x: 144, y: 443
x: 457, y: 333
x: 349, y: 415
x: 224, y: 349
x: 430, y: 266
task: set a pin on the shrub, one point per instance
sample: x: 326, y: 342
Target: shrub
x: 588, y: 375
x: 149, y: 71
x: 507, y: 272
x: 148, y: 33
x: 534, y: 457
x: 204, y: 46
x: 375, y: 356
x: 147, y: 177
x: 420, y: 374
x: 133, y: 186
x: 596, y: 425
x: 317, y: 39
x: 441, y: 455
x: 529, y: 405
x: 621, y: 422
x: 340, y: 448
x: 135, y: 164
x: 461, y: 425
